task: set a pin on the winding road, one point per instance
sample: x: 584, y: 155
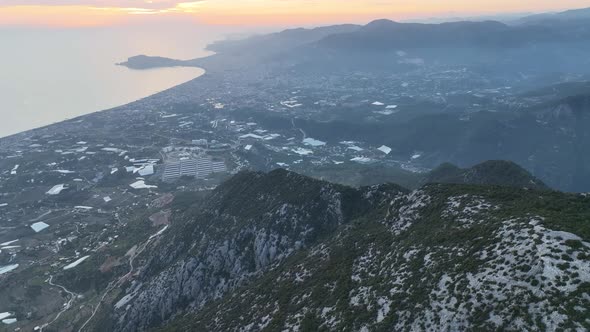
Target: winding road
x: 68, y: 305
x: 301, y: 130
x: 112, y: 285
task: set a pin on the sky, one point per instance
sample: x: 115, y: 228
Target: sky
x: 80, y: 13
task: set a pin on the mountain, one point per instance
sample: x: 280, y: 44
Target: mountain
x: 568, y: 15
x: 281, y: 251
x: 250, y: 223
x: 505, y: 48
x: 558, y: 92
x: 386, y: 34
x: 280, y: 41
x: 445, y: 256
x: 493, y: 172
x: 146, y: 62
x: 248, y: 51
x: 573, y: 114
x: 521, y: 133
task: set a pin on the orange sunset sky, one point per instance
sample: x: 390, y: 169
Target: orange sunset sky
x: 74, y: 13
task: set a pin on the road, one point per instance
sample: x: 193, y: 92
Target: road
x: 114, y: 284
x: 301, y: 130
x: 68, y: 305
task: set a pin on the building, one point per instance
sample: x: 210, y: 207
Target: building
x: 200, y: 142
x: 199, y: 168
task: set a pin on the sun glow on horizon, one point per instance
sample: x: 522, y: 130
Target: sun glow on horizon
x: 254, y: 12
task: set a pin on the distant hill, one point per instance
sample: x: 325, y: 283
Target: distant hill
x: 386, y: 34
x: 559, y: 91
x: 493, y: 172
x: 280, y: 41
x: 444, y: 257
x: 240, y: 52
x: 574, y: 14
x: 456, y: 42
x: 147, y: 62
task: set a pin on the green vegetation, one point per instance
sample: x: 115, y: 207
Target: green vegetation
x: 367, y: 264
x: 493, y: 172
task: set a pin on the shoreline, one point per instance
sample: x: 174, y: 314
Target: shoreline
x: 28, y: 131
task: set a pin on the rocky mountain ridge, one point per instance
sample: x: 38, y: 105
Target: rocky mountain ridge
x: 250, y: 223
x: 445, y: 256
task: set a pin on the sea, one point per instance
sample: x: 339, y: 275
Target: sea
x: 49, y: 75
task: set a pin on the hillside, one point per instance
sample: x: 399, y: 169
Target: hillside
x: 248, y: 224
x: 442, y: 257
x: 372, y: 258
x: 385, y: 34
x: 464, y: 42
x: 560, y: 17
x: 280, y: 41
x: 493, y: 172
x: 146, y: 62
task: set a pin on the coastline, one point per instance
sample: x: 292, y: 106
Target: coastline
x: 75, y: 118
x: 214, y: 61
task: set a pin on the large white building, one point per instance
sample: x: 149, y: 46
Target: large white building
x: 199, y: 168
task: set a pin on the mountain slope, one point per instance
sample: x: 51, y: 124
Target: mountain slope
x: 384, y: 35
x: 569, y: 118
x: 280, y: 41
x: 568, y: 15
x: 547, y: 136
x: 251, y: 222
x: 446, y: 257
x: 493, y: 172
x: 281, y: 251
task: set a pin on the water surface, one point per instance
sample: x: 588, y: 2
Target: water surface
x: 49, y: 75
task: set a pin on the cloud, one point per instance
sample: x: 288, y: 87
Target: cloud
x: 74, y: 13
x: 252, y: 12
x: 153, y: 5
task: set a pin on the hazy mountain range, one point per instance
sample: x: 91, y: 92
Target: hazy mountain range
x: 386, y: 35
